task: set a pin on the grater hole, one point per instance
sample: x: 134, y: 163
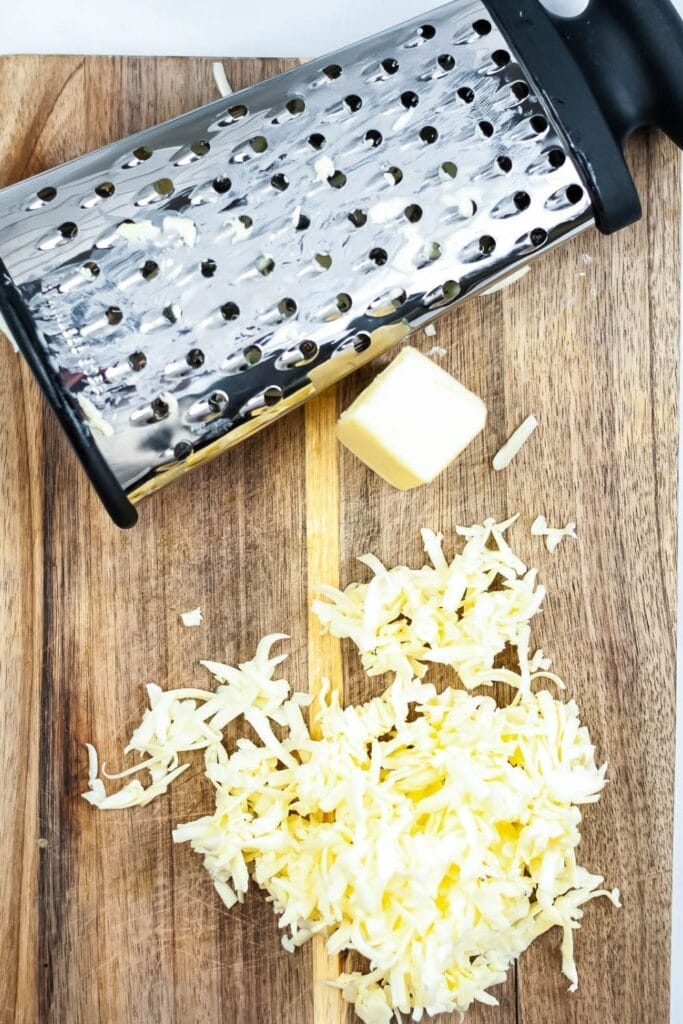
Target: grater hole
x: 358, y: 218
x: 487, y: 245
x: 259, y: 144
x: 379, y: 256
x: 450, y: 290
x: 323, y: 260
x: 373, y: 138
x: 200, y: 148
x: 208, y: 268
x: 272, y: 395
x: 217, y: 400
x: 235, y: 113
x: 432, y: 251
x: 482, y: 27
x: 393, y: 176
x: 68, y: 230
x: 252, y: 355
x: 246, y: 221
x: 538, y: 236
x: 316, y: 140
x: 195, y: 358
x: 343, y: 302
x: 520, y: 90
x: 539, y: 124
x: 149, y: 270
x: 486, y: 129
x: 230, y: 311
x: 47, y: 194
x: 337, y: 180
x: 500, y: 58
x: 333, y: 72
x: 413, y: 213
x: 556, y: 158
x: 362, y: 342
x: 448, y: 170
x: 221, y: 185
x: 137, y: 361
x: 409, y: 99
x: 280, y: 182
x: 160, y: 408
x: 574, y: 194
x: 390, y: 65
x: 308, y: 349
x: 114, y: 316
x: 426, y: 32
x: 466, y: 94
x: 163, y: 187
x: 182, y: 450
x: 92, y: 269
x: 143, y: 153
x: 105, y: 190
x: 429, y: 134
x: 353, y: 103
x: 446, y: 61
x: 295, y: 106
x: 172, y: 313
x: 504, y: 163
x: 287, y: 307
x: 265, y: 265
x: 522, y: 200
x: 397, y: 297
x: 302, y: 222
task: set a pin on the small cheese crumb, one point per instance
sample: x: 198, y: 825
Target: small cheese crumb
x: 430, y: 330
x: 436, y: 352
x: 182, y: 228
x: 94, y: 418
x: 504, y: 457
x: 140, y: 231
x: 517, y: 275
x: 193, y: 618
x: 412, y: 421
x: 553, y: 535
x: 324, y: 168
x: 221, y: 79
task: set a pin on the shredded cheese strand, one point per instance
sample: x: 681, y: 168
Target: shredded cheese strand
x: 553, y: 535
x: 515, y: 442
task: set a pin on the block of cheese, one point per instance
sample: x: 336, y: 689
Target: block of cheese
x: 412, y: 421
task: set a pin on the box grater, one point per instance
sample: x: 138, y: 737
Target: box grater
x: 176, y: 291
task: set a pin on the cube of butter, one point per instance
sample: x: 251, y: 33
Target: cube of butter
x: 412, y: 421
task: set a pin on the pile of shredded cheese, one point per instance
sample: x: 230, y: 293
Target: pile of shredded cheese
x: 461, y: 613
x: 435, y: 834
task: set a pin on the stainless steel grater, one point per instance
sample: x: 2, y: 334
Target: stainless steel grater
x: 177, y: 290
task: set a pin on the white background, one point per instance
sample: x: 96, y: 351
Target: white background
x: 264, y: 28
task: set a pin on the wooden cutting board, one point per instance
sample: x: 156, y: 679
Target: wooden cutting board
x: 102, y: 919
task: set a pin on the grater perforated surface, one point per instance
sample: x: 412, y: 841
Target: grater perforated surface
x: 194, y: 281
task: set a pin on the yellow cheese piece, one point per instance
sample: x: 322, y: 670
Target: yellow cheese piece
x: 412, y: 421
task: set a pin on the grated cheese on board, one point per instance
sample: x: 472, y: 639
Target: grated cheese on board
x: 434, y: 834
x: 461, y: 613
x: 192, y: 618
x: 512, y: 446
x: 553, y: 535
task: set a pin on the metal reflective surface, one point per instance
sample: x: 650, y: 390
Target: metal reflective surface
x: 195, y: 281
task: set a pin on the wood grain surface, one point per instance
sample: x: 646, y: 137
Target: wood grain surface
x: 102, y: 919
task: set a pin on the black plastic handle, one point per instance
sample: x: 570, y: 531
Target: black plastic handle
x: 631, y: 53
x: 605, y: 72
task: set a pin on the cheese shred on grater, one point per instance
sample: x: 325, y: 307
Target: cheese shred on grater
x: 176, y: 291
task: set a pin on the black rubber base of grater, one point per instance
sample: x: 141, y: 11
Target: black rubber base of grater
x: 23, y: 330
